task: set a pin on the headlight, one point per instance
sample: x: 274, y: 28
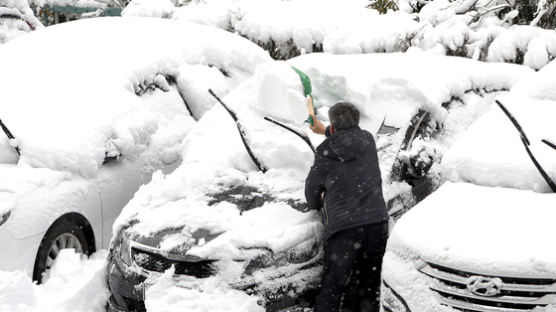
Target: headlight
x: 125, y: 250
x: 4, y: 217
x: 391, y: 301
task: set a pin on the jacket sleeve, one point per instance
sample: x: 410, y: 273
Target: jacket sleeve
x: 314, y: 184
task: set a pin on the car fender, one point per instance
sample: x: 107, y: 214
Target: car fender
x: 39, y: 196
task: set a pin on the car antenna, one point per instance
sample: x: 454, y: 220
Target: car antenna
x: 304, y: 137
x: 241, y: 130
x: 526, y: 143
x: 9, y: 135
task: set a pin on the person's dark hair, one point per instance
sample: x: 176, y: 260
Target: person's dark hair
x: 343, y: 115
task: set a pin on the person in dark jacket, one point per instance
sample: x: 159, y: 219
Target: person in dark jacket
x: 345, y: 183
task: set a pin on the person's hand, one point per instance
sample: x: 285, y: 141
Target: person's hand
x: 318, y: 127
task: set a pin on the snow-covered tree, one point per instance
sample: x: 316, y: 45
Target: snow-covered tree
x: 16, y: 19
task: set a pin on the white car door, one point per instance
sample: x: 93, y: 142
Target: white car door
x: 121, y: 175
x: 118, y: 181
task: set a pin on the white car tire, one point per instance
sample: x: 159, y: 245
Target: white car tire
x: 64, y: 233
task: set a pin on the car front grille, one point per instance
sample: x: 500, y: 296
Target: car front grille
x: 152, y: 261
x: 467, y: 291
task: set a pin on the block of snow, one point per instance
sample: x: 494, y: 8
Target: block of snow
x: 279, y: 93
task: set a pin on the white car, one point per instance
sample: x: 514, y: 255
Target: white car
x: 89, y: 110
x: 485, y: 241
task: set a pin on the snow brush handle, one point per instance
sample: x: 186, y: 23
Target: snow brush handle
x: 311, y: 109
x: 307, y: 90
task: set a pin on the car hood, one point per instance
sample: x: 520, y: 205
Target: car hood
x: 483, y: 230
x: 176, y: 240
x: 227, y: 222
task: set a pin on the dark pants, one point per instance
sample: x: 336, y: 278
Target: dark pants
x: 352, y: 265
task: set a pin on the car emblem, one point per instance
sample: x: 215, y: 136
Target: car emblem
x: 484, y: 286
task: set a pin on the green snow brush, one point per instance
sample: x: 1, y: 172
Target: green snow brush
x: 307, y: 89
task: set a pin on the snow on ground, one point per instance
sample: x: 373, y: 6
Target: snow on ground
x: 491, y: 153
x: 74, y: 284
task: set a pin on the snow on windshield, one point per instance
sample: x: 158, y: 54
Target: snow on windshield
x: 491, y: 153
x: 68, y: 106
x: 386, y: 87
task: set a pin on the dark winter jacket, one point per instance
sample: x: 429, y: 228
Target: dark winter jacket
x: 346, y: 170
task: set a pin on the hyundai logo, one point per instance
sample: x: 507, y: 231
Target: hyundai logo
x: 484, y: 286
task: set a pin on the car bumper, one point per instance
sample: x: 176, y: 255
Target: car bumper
x: 126, y: 288
x: 404, y: 288
x: 412, y: 285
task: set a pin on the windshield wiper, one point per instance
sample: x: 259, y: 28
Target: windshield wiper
x: 549, y: 143
x: 526, y: 143
x: 304, y: 137
x: 9, y: 135
x: 241, y: 131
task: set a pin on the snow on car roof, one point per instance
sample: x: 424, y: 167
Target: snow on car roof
x: 491, y: 153
x: 64, y: 102
x: 481, y: 229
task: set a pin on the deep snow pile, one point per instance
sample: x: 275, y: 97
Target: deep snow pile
x: 467, y: 28
x: 491, y: 153
x: 74, y: 284
x: 121, y: 61
x: 16, y: 19
x: 385, y: 87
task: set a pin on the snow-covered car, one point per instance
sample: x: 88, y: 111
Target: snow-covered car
x: 484, y: 240
x: 86, y: 122
x: 226, y: 231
